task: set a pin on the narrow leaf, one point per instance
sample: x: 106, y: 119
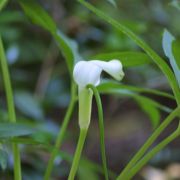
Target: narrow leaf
x: 3, y: 158
x: 128, y: 58
x: 8, y: 130
x: 28, y: 105
x: 112, y: 2
x: 149, y: 106
x: 40, y: 17
x: 150, y: 110
x: 176, y: 51
x: 167, y: 43
x: 128, y: 93
x: 113, y: 84
x: 176, y: 4
x: 2, y: 4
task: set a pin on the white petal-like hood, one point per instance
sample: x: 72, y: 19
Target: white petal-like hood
x: 88, y: 72
x: 113, y: 68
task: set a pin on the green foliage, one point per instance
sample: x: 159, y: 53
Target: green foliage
x: 39, y: 16
x: 176, y: 52
x: 35, y: 55
x: 176, y: 4
x: 2, y: 4
x: 154, y: 56
x: 149, y: 106
x: 169, y: 50
x: 9, y: 130
x: 150, y: 110
x: 128, y: 58
x: 3, y: 158
x: 28, y: 105
x: 112, y: 2
x: 112, y: 84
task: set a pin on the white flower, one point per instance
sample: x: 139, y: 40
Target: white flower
x: 88, y: 72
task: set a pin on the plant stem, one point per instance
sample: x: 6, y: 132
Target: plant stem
x: 148, y: 143
x: 11, y: 109
x: 74, y: 167
x: 153, y: 152
x: 61, y: 133
x: 101, y: 127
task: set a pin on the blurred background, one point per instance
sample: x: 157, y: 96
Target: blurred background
x: 41, y: 86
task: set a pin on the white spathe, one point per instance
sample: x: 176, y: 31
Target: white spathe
x: 88, y: 72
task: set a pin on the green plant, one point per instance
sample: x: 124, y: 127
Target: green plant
x: 84, y: 77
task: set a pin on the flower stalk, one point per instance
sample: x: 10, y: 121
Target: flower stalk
x: 88, y: 73
x: 77, y: 156
x: 85, y: 106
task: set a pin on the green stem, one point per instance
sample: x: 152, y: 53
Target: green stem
x: 155, y: 57
x: 77, y: 156
x: 101, y: 127
x: 152, y: 153
x: 11, y: 109
x: 148, y: 143
x: 61, y: 133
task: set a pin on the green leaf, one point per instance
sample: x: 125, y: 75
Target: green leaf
x: 10, y: 17
x: 149, y: 106
x: 112, y: 2
x: 40, y: 17
x: 167, y: 43
x: 2, y: 4
x: 28, y: 105
x: 127, y: 92
x: 150, y: 110
x: 3, y: 158
x: 86, y: 173
x: 176, y: 4
x: 9, y: 130
x: 176, y: 51
x: 150, y: 52
x: 128, y: 58
x: 115, y: 85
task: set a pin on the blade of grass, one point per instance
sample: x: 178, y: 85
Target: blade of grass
x: 154, y: 56
x: 11, y: 109
x: 134, y: 95
x: 101, y: 127
x: 112, y: 84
